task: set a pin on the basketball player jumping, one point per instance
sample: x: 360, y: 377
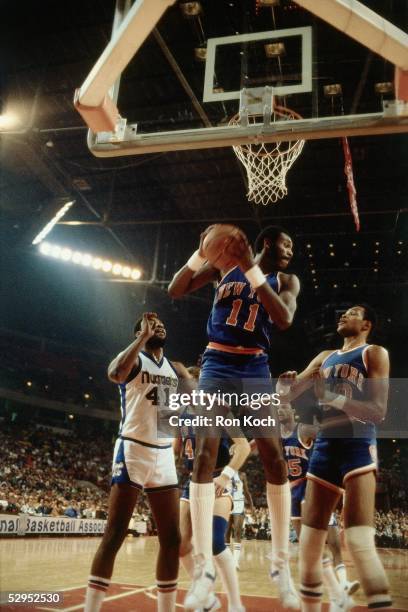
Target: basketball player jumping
x: 344, y: 457
x: 142, y: 460
x: 297, y: 440
x: 250, y: 300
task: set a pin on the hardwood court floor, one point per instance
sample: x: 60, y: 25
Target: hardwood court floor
x: 62, y: 564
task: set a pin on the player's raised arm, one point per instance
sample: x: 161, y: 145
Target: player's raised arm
x: 374, y: 408
x: 196, y: 273
x: 291, y: 384
x: 121, y: 367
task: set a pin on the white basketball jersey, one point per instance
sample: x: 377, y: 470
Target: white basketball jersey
x: 143, y: 396
x: 237, y: 488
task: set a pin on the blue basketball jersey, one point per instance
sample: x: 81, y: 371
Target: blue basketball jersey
x: 237, y: 317
x: 189, y: 444
x: 346, y: 374
x: 296, y: 455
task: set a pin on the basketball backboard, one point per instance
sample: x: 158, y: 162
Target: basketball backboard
x: 202, y: 55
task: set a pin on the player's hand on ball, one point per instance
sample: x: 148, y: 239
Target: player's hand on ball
x: 238, y: 247
x: 148, y: 325
x: 221, y: 483
x: 202, y: 236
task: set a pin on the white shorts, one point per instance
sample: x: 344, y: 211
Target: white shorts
x: 333, y: 520
x: 144, y: 466
x: 238, y: 507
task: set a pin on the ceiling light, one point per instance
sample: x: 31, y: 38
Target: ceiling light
x: 399, y: 252
x: 200, y: 53
x: 77, y: 257
x: 354, y: 285
x: 375, y: 269
x: 117, y: 268
x: 136, y: 274
x: 29, y: 383
x: 377, y: 244
x: 66, y: 254
x: 107, y: 265
x: 346, y: 264
x: 86, y: 259
x: 97, y: 263
x: 55, y: 251
x: 275, y: 49
x: 376, y: 251
x: 126, y: 271
x: 354, y: 244
x: 384, y: 88
x: 308, y: 246
x: 71, y: 416
x: 331, y: 254
x: 45, y: 248
x: 400, y: 242
x: 335, y: 286
x: 310, y: 255
x: 331, y: 245
x: 191, y: 9
x: 8, y: 121
x: 48, y: 227
x: 313, y: 271
x: 330, y: 91
x: 316, y: 286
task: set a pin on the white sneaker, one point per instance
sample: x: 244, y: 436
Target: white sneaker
x: 212, y: 604
x: 287, y: 592
x: 352, y: 587
x: 202, y: 586
x: 343, y: 604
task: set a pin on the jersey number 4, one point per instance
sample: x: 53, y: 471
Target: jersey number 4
x: 233, y: 317
x: 153, y: 396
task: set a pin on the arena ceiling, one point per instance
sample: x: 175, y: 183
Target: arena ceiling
x: 129, y: 205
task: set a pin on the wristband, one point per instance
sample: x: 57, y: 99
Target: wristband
x: 337, y: 401
x: 255, y: 276
x: 228, y: 471
x: 196, y: 261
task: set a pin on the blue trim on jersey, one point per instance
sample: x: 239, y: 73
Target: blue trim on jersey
x: 122, y: 391
x: 172, y: 367
x: 156, y: 363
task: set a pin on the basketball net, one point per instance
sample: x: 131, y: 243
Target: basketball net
x: 267, y: 164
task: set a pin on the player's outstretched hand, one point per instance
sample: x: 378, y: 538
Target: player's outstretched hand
x: 221, y: 483
x: 148, y: 325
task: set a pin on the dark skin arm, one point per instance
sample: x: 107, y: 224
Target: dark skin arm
x: 120, y: 367
x: 186, y: 280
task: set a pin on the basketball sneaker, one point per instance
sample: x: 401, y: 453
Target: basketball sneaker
x: 202, y: 585
x: 345, y: 602
x: 287, y: 593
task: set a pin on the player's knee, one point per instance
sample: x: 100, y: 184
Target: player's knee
x: 204, y: 463
x: 219, y: 529
x: 114, y: 536
x: 170, y: 539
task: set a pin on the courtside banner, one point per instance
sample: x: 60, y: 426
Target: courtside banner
x: 24, y: 524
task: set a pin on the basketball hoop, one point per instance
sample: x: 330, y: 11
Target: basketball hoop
x: 267, y: 164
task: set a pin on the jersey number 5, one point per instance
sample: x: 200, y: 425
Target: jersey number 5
x: 295, y: 469
x: 233, y: 317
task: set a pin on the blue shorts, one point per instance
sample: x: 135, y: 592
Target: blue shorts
x: 228, y: 370
x: 334, y: 460
x: 297, y: 494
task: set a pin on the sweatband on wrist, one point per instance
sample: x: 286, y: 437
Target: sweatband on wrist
x: 196, y: 261
x: 337, y: 401
x: 255, y: 276
x: 228, y: 471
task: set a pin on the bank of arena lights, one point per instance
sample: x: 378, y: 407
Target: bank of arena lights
x: 89, y: 261
x: 47, y: 228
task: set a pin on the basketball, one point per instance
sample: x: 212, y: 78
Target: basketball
x: 214, y: 245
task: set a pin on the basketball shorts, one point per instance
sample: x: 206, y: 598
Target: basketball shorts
x: 185, y: 492
x: 297, y: 493
x: 144, y: 466
x: 334, y: 460
x: 227, y: 372
x: 238, y: 507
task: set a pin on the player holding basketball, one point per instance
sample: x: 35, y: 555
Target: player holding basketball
x: 250, y: 300
x: 240, y: 494
x: 142, y: 460
x: 297, y: 440
x: 344, y: 458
